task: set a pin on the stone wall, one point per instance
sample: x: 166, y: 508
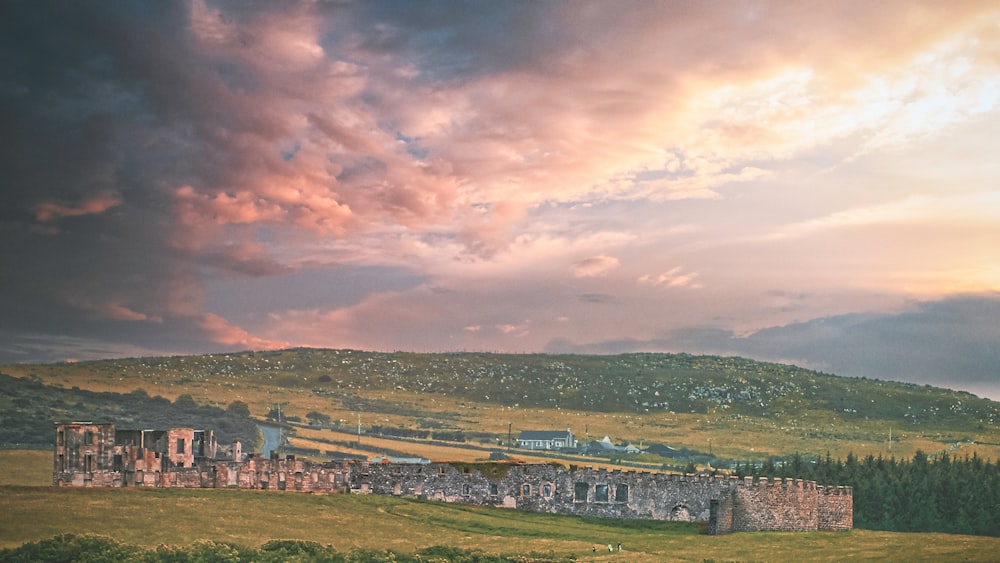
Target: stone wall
x: 90, y: 456
x: 836, y: 508
x: 287, y: 474
x: 84, y: 454
x: 727, y: 504
x: 781, y: 505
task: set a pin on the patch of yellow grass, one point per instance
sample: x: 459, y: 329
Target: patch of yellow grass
x: 150, y: 517
x: 26, y: 467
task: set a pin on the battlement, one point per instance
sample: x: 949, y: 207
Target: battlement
x: 100, y: 456
x: 839, y: 490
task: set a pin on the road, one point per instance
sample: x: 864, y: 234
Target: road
x: 272, y: 435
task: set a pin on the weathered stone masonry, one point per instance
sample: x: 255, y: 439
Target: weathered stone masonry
x: 728, y: 504
x: 97, y: 455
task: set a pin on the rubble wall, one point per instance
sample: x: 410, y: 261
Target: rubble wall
x: 727, y: 504
x: 836, y: 508
x: 782, y: 505
x: 87, y: 455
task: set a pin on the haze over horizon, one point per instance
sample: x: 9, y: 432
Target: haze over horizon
x: 810, y: 183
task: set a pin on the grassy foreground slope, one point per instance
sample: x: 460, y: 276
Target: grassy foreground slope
x: 738, y: 408
x: 151, y: 517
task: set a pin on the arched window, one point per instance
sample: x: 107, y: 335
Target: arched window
x: 680, y: 513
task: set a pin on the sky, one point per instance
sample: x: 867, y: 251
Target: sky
x: 814, y: 183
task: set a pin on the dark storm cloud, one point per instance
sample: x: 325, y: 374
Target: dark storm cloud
x: 460, y: 40
x: 145, y: 145
x: 93, y: 139
x: 952, y: 343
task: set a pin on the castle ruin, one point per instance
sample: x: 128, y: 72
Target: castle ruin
x: 99, y: 455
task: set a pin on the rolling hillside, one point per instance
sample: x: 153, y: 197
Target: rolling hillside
x: 743, y: 408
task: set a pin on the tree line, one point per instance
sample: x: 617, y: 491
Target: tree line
x: 29, y: 410
x: 946, y: 494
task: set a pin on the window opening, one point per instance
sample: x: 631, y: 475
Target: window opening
x: 601, y: 493
x: 621, y: 493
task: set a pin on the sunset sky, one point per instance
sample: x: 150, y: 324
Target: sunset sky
x: 815, y: 183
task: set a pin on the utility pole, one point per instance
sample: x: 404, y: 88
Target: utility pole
x: 278, y: 448
x: 359, y: 428
x: 510, y: 426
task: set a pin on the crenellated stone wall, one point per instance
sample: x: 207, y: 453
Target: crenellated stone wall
x: 91, y: 455
x: 727, y: 504
x: 552, y: 488
x: 836, y: 508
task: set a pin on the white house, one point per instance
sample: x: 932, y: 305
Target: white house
x: 546, y: 439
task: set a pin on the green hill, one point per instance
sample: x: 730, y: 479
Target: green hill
x: 747, y: 409
x: 621, y: 383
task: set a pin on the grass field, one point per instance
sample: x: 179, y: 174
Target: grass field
x: 32, y: 511
x: 315, y: 438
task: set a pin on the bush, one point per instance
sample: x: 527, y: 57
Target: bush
x: 299, y: 550
x: 72, y: 547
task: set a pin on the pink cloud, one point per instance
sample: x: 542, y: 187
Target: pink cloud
x: 50, y: 211
x: 595, y: 266
x: 184, y: 294
x: 112, y: 309
x: 220, y: 331
x: 224, y: 208
x: 380, y: 146
x: 675, y: 277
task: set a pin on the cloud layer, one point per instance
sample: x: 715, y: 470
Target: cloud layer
x: 212, y: 175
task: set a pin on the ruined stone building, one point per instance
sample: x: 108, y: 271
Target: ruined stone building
x: 98, y: 455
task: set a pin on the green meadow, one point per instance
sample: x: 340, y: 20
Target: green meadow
x: 34, y: 511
